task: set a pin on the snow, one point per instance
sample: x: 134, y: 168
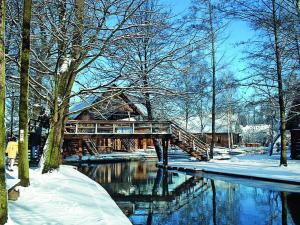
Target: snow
x: 256, y: 166
x: 194, y: 124
x: 65, y: 65
x: 139, y: 154
x: 255, y: 128
x: 64, y: 197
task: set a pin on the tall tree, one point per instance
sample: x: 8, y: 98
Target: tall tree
x: 208, y: 21
x: 3, y: 192
x: 24, y: 89
x: 269, y: 18
x: 283, y: 160
x: 213, y: 66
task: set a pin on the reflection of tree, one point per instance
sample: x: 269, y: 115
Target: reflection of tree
x: 157, y: 181
x: 284, y: 208
x: 228, y: 203
x: 270, y: 202
x: 150, y: 215
x: 214, y: 202
x: 162, y: 197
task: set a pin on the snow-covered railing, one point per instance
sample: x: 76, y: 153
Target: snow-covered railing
x: 117, y: 127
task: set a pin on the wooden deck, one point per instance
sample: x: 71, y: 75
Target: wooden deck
x: 119, y: 129
x: 168, y: 131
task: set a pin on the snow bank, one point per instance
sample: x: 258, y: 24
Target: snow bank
x: 64, y: 197
x: 113, y: 156
x: 256, y: 166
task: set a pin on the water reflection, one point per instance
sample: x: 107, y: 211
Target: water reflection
x: 149, y: 195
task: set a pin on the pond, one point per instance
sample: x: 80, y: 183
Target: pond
x: 149, y: 195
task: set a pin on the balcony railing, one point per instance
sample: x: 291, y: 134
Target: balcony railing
x: 118, y: 127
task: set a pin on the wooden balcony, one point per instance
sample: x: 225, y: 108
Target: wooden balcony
x: 119, y: 129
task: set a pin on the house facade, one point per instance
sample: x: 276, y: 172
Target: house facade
x: 106, y: 107
x: 293, y: 125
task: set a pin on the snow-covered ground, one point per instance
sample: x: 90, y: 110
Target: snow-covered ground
x: 256, y: 166
x: 63, y: 197
x: 114, y: 156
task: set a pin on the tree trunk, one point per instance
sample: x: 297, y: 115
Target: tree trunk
x: 63, y: 86
x: 55, y: 141
x: 213, y: 60
x: 3, y: 192
x: 24, y: 87
x: 150, y: 118
x: 283, y: 159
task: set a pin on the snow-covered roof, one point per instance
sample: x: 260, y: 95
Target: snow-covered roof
x: 84, y: 103
x: 194, y: 124
x: 255, y: 128
x: 91, y: 99
x: 137, y: 99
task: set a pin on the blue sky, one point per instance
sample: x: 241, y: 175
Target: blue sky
x: 238, y: 31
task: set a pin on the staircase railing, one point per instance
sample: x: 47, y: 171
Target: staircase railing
x: 189, y: 139
x: 92, y: 146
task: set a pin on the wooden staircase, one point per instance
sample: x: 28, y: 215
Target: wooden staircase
x: 189, y: 142
x: 91, y: 146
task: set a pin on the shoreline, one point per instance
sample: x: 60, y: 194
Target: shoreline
x: 247, y: 167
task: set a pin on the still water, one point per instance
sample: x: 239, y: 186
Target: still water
x: 148, y: 195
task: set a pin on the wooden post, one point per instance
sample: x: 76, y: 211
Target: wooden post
x: 96, y: 128
x: 144, y: 141
x: 165, y: 144
x: 76, y: 128
x: 80, y: 150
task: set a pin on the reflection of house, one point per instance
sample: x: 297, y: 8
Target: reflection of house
x: 108, y: 106
x: 293, y: 124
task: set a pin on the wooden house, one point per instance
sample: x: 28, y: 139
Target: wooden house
x: 109, y: 107
x: 222, y: 139
x: 293, y: 125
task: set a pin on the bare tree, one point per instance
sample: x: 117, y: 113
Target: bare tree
x: 149, y: 57
x: 208, y: 20
x: 270, y: 19
x: 78, y: 35
x: 283, y: 160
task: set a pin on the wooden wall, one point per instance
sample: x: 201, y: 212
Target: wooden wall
x: 222, y: 139
x: 105, y: 145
